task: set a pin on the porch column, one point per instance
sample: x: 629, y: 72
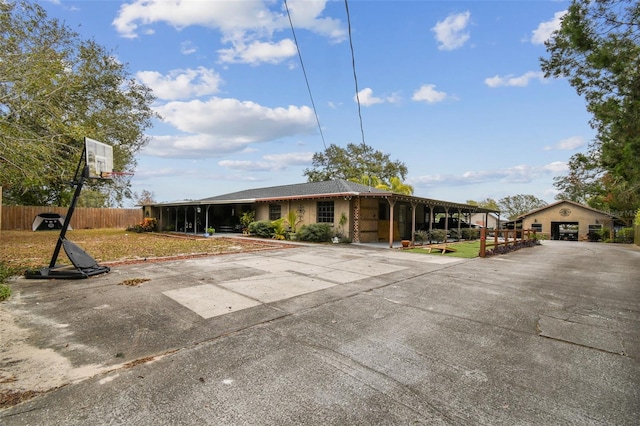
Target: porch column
x: 186, y: 219
x: 459, y: 224
x: 414, y: 205
x: 391, y: 204
x: 356, y: 220
x: 206, y: 218
x: 195, y: 219
x: 446, y: 223
x: 430, y: 221
x: 175, y: 229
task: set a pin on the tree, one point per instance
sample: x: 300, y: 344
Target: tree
x: 516, y: 205
x: 55, y: 89
x: 597, y: 48
x: 395, y: 185
x: 353, y: 162
x: 487, y: 203
x: 144, y: 197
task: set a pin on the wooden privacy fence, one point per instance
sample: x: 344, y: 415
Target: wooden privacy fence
x: 504, y: 238
x: 21, y: 217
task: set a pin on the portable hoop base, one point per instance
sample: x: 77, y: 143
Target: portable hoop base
x: 84, y: 266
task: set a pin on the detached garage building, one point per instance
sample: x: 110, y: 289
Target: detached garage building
x: 565, y: 220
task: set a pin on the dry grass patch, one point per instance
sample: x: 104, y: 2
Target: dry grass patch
x: 30, y: 250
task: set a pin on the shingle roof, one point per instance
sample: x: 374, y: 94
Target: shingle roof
x: 332, y: 187
x: 534, y: 211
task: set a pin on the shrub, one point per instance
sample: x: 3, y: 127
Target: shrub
x: 246, y: 220
x: 261, y: 228
x: 624, y: 235
x: 5, y: 292
x: 278, y: 229
x: 421, y: 236
x: 437, y: 235
x: 470, y: 233
x: 149, y: 224
x: 315, y: 233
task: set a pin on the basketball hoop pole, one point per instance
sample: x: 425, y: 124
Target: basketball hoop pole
x: 84, y: 265
x: 78, y: 181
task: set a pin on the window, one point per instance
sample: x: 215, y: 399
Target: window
x: 595, y: 228
x: 325, y: 212
x: 275, y: 211
x: 537, y: 227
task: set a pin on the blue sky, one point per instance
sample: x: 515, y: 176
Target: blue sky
x: 451, y: 88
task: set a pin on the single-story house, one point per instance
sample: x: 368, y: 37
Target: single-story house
x: 485, y: 220
x: 566, y: 220
x: 369, y: 214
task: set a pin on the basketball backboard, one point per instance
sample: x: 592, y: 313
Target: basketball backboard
x: 99, y: 159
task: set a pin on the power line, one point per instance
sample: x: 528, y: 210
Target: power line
x: 305, y: 74
x: 355, y: 76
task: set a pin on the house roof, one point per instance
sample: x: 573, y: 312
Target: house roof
x: 311, y: 190
x: 338, y: 187
x: 573, y: 203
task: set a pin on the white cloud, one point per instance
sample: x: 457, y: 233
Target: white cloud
x: 429, y: 94
x: 181, y: 84
x: 557, y: 167
x: 270, y: 163
x: 292, y: 158
x: 187, y: 48
x: 545, y: 29
x: 568, y: 144
x: 249, y: 26
x: 249, y: 166
x: 259, y: 52
x: 366, y: 97
x: 451, y: 33
x: 514, y: 81
x: 219, y: 126
x: 517, y: 174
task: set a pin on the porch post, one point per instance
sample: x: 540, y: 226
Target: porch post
x: 186, y: 219
x: 446, y: 223
x: 414, y: 205
x: 356, y: 220
x: 430, y: 221
x: 459, y: 224
x: 206, y: 218
x: 391, y: 204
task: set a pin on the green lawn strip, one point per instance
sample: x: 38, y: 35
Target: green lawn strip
x: 466, y: 250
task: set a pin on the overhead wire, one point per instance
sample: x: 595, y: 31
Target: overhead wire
x: 355, y: 75
x: 304, y: 71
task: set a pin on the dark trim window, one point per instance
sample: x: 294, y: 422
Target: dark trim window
x: 325, y: 212
x: 537, y: 227
x: 275, y: 211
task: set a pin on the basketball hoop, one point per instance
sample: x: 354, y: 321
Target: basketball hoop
x: 109, y: 175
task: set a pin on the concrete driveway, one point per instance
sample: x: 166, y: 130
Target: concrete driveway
x: 332, y: 335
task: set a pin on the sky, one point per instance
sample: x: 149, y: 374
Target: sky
x: 453, y: 89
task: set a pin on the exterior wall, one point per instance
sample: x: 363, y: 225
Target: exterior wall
x: 307, y: 211
x: 479, y: 219
x: 584, y: 218
x: 368, y: 220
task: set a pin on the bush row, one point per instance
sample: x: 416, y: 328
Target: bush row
x: 276, y: 229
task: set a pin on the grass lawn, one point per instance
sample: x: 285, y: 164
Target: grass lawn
x: 23, y: 250
x: 465, y: 249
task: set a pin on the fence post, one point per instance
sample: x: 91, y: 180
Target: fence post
x: 483, y: 242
